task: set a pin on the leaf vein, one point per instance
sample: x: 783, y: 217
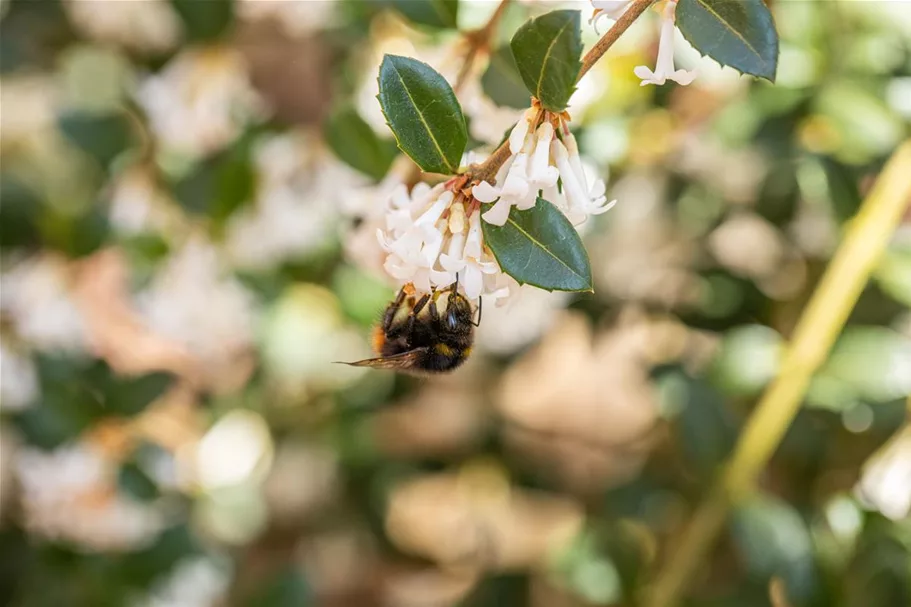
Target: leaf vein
x: 420, y: 114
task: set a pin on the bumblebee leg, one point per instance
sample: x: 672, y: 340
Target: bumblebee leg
x: 394, y: 307
x: 480, y: 303
x: 420, y: 305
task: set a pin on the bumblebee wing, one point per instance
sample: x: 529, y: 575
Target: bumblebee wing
x: 406, y: 361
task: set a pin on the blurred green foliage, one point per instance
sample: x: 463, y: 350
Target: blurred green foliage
x: 808, y: 149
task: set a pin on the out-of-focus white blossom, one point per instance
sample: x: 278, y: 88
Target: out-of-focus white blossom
x: 539, y: 159
x: 296, y: 17
x: 300, y: 191
x: 664, y: 67
x: 201, y: 101
x: 149, y: 25
x: 886, y: 480
x: 137, y: 203
x: 29, y: 104
x: 194, y: 582
x: 71, y: 494
x: 35, y: 294
x: 611, y: 9
x: 427, y: 249
x: 18, y: 379
x: 193, y: 301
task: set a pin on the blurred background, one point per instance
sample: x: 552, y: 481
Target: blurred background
x: 186, y: 248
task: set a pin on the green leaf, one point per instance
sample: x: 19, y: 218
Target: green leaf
x: 133, y: 481
x: 205, y: 19
x: 356, y: 143
x: 423, y: 113
x: 101, y: 136
x: 541, y: 247
x: 502, y: 81
x: 220, y: 184
x: 547, y: 51
x: 21, y: 209
x: 738, y: 33
x: 774, y: 541
x: 435, y: 13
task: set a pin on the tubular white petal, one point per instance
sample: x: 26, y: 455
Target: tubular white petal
x: 516, y: 183
x: 498, y: 213
x: 541, y: 174
x: 576, y: 197
x: 575, y: 160
x: 517, y: 136
x: 473, y: 247
x: 485, y: 192
x: 472, y: 281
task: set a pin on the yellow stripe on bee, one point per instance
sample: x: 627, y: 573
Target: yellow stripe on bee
x: 443, y: 350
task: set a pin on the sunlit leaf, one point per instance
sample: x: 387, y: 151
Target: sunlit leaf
x: 541, y: 247
x: 423, y: 113
x: 738, y: 33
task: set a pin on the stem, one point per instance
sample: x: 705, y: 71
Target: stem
x: 817, y: 329
x: 607, y: 40
x: 487, y: 169
x: 478, y: 40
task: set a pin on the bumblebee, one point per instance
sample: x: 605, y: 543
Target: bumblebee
x: 425, y: 336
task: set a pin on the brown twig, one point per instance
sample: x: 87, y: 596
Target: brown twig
x: 478, y: 42
x: 486, y: 170
x: 607, y: 40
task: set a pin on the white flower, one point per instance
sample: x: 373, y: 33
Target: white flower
x: 664, y: 67
x: 150, y: 25
x: 300, y: 189
x: 70, y: 494
x: 428, y: 248
x: 195, y: 302
x: 612, y: 9
x: 35, y: 295
x: 296, y: 18
x: 201, y: 101
x: 539, y: 162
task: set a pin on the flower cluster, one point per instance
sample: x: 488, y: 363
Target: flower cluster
x: 544, y: 161
x: 434, y: 234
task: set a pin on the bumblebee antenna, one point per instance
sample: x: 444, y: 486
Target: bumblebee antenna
x: 455, y: 285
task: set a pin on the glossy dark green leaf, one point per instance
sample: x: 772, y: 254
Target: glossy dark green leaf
x: 547, y: 51
x: 356, y: 143
x: 434, y: 13
x: 205, y: 19
x: 738, y: 33
x: 541, y: 247
x: 423, y: 113
x: 101, y: 136
x: 502, y: 81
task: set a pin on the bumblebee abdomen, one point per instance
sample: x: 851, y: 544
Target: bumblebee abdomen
x: 443, y: 357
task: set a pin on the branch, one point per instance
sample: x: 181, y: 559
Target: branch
x: 607, y: 40
x: 487, y: 169
x: 816, y: 332
x: 478, y: 41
